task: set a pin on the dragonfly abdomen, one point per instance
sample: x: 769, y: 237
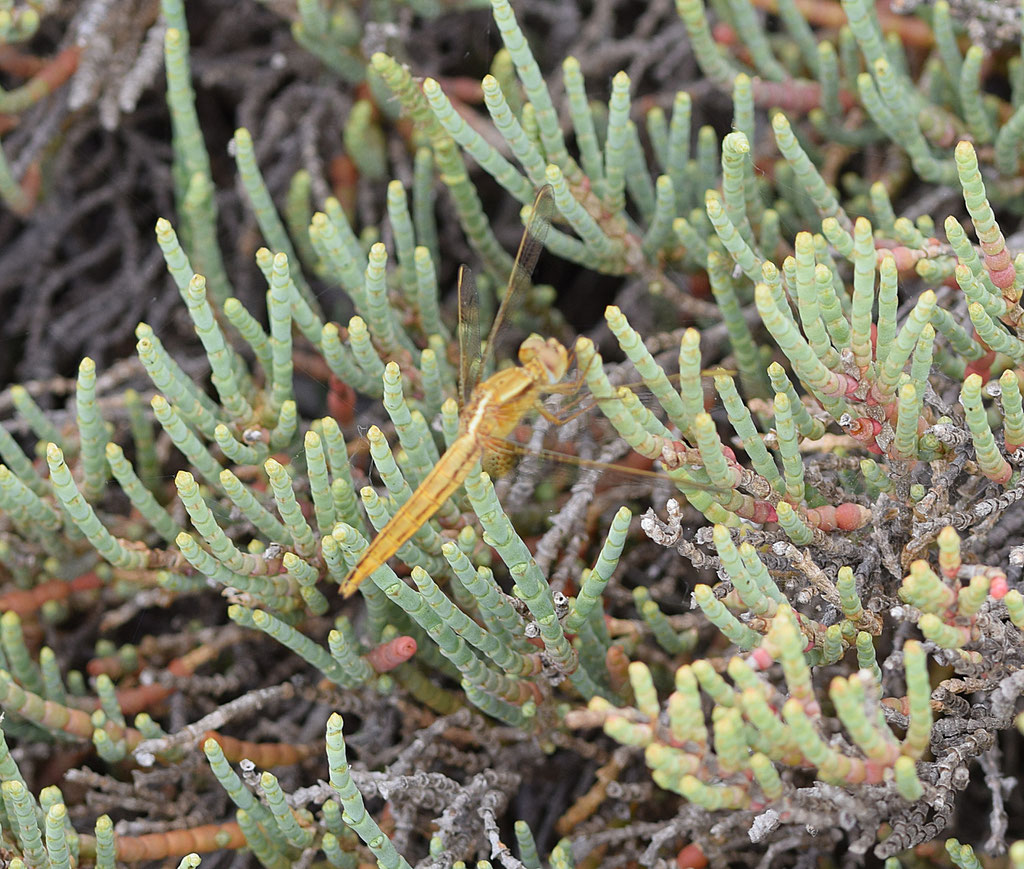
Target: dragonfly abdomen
x: 444, y: 478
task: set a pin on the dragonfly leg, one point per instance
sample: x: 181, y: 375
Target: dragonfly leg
x: 562, y: 419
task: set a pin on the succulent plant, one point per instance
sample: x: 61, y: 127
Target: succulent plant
x: 805, y: 653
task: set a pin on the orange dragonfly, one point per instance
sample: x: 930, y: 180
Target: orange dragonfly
x: 490, y: 409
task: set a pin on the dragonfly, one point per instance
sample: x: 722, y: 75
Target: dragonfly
x: 491, y: 408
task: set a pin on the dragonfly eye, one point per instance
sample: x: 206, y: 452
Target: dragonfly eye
x: 550, y: 354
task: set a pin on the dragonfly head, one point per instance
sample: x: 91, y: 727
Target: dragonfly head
x: 548, y: 354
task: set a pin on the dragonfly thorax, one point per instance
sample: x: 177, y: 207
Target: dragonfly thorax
x: 546, y: 354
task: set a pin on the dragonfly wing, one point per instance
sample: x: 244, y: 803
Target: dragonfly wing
x: 470, y: 362
x: 503, y: 452
x: 530, y: 246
